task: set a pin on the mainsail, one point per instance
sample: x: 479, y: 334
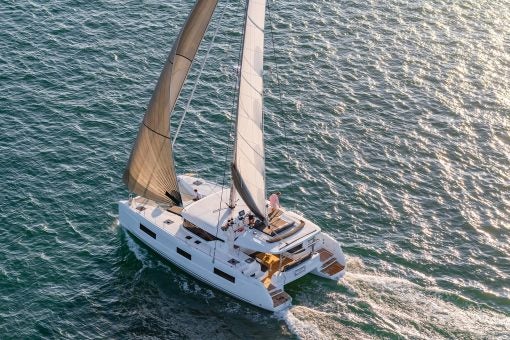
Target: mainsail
x: 248, y: 166
x: 150, y: 171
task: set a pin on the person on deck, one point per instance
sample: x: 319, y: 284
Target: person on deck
x: 251, y: 220
x: 274, y: 201
x: 196, y: 195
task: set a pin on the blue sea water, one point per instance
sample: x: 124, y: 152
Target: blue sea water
x: 393, y: 134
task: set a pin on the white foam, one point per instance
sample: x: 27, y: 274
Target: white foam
x: 140, y: 253
x: 115, y: 224
x: 411, y: 310
x: 355, y: 264
x: 302, y: 329
x: 393, y: 305
x: 194, y: 288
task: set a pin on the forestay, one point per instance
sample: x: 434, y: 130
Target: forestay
x: 248, y: 166
x: 150, y: 171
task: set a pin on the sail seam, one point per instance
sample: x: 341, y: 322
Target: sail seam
x: 155, y: 131
x: 180, y: 55
x: 255, y: 24
x: 249, y: 83
x: 249, y: 145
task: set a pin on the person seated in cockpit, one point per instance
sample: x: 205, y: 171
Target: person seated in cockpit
x: 251, y: 220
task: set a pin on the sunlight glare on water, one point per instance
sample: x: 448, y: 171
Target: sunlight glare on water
x: 393, y: 135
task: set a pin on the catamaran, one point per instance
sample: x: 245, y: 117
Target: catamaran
x: 226, y: 236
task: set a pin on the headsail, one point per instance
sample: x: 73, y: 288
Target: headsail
x: 150, y: 171
x: 248, y: 166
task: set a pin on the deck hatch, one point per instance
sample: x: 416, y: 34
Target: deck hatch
x: 233, y: 261
x: 147, y: 231
x: 224, y: 275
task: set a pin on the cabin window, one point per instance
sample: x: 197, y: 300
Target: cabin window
x: 295, y: 249
x: 224, y: 275
x: 183, y: 253
x: 147, y: 231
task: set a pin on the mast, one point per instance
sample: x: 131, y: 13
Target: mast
x: 248, y: 165
x: 233, y: 192
x: 150, y: 171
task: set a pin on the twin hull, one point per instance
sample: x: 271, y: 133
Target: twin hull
x: 200, y: 263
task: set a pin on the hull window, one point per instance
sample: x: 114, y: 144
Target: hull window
x: 224, y: 275
x: 183, y: 253
x: 147, y: 231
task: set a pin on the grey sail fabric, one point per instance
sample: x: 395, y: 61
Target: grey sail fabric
x: 150, y: 171
x: 248, y: 166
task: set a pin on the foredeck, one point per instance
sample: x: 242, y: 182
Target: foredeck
x: 171, y: 222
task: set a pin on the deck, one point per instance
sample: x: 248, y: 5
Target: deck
x: 330, y: 266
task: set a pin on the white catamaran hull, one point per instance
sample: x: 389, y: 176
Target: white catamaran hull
x: 201, y: 265
x: 229, y: 269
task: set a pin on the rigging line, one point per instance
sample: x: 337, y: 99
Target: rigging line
x: 200, y: 73
x: 280, y: 95
x: 229, y: 144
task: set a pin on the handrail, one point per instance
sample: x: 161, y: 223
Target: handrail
x: 307, y: 248
x: 286, y: 244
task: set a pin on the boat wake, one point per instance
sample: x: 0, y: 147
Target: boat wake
x: 141, y: 254
x: 301, y: 328
x: 367, y: 305
x: 403, y: 307
x: 115, y: 223
x: 309, y: 323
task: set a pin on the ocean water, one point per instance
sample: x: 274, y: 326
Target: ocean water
x: 392, y: 133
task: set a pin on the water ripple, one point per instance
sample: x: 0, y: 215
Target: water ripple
x: 394, y: 137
